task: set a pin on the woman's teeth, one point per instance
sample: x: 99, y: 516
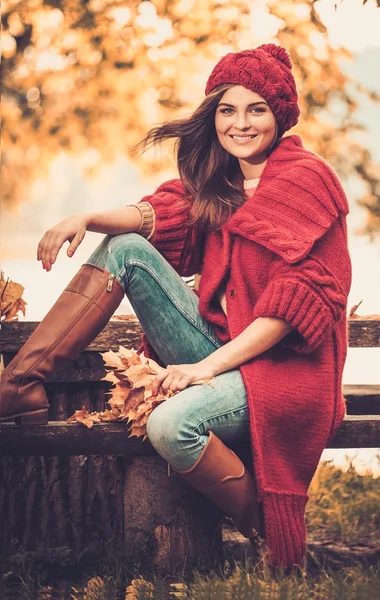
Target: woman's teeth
x: 243, y: 138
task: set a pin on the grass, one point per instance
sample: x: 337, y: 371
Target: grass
x: 344, y: 505
x: 343, y: 508
x: 243, y: 584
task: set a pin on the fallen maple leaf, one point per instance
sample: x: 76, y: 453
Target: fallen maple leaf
x: 119, y: 395
x: 152, y: 363
x: 112, y: 359
x: 85, y: 418
x: 130, y: 398
x: 11, y: 301
x: 354, y: 308
x: 108, y: 415
x: 354, y: 315
x: 130, y: 355
x: 140, y: 375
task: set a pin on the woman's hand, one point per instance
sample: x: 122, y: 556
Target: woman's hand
x: 72, y: 229
x: 178, y: 377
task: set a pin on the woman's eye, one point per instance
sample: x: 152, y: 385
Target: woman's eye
x: 254, y: 110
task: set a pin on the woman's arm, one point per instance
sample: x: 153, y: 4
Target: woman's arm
x: 259, y: 336
x: 74, y: 229
x: 113, y: 222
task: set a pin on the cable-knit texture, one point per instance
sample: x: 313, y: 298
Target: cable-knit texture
x: 308, y: 297
x: 265, y: 70
x: 282, y: 254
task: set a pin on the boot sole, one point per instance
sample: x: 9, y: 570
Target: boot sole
x: 36, y: 417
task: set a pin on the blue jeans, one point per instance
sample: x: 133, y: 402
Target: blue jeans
x: 168, y: 312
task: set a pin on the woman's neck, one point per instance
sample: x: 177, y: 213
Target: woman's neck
x: 251, y: 171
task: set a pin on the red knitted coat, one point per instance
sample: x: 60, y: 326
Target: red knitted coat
x: 284, y: 254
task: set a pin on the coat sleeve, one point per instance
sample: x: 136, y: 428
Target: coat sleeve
x: 179, y: 242
x: 311, y: 294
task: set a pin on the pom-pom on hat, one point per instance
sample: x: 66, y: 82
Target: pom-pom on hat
x: 266, y: 70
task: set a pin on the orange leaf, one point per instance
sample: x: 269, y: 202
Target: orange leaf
x: 10, y: 299
x: 112, y: 359
x: 354, y: 309
x: 111, y: 376
x: 155, y: 367
x: 140, y: 375
x: 84, y: 417
x: 130, y: 355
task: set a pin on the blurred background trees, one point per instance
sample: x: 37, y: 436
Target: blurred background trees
x: 92, y: 76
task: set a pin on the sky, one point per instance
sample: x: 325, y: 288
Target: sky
x: 351, y: 24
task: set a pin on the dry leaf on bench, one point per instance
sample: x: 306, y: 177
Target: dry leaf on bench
x: 85, y: 418
x: 11, y: 301
x: 353, y: 315
x: 130, y: 399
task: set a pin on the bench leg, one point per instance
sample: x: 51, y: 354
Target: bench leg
x: 169, y: 528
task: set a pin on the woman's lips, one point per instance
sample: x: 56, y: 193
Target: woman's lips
x: 243, y: 139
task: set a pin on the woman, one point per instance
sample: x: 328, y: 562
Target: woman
x: 263, y: 220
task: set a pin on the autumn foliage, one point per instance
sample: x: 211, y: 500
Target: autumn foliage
x: 11, y: 301
x: 131, y: 397
x: 91, y: 77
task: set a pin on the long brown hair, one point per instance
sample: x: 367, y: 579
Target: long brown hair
x: 211, y: 176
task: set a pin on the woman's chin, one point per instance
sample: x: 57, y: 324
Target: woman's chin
x: 250, y: 157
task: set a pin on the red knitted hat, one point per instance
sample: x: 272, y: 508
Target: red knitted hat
x: 265, y: 70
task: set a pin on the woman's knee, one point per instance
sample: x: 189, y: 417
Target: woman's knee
x: 168, y: 430
x: 119, y: 252
x: 160, y: 427
x: 129, y: 245
x: 116, y: 249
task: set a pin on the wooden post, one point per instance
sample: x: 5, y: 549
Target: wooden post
x: 169, y: 528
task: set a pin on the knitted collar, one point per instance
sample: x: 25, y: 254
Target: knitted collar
x: 296, y: 201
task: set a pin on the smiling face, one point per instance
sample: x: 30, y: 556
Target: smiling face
x: 246, y: 128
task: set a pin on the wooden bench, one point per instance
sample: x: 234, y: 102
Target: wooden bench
x: 65, y: 485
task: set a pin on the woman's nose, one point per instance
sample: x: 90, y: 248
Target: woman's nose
x: 242, y: 121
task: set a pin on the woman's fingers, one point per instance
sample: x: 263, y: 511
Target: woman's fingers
x: 75, y: 243
x: 160, y: 377
x: 179, y: 384
x: 170, y: 379
x: 53, y: 246
x: 44, y: 245
x: 48, y: 252
x: 72, y: 229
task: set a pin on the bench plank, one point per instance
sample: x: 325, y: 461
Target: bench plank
x: 362, y: 399
x: 59, y: 438
x: 88, y: 369
x: 358, y: 431
x: 362, y: 334
x: 125, y: 333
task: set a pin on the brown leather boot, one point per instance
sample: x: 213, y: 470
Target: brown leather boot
x: 220, y: 475
x: 79, y: 315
